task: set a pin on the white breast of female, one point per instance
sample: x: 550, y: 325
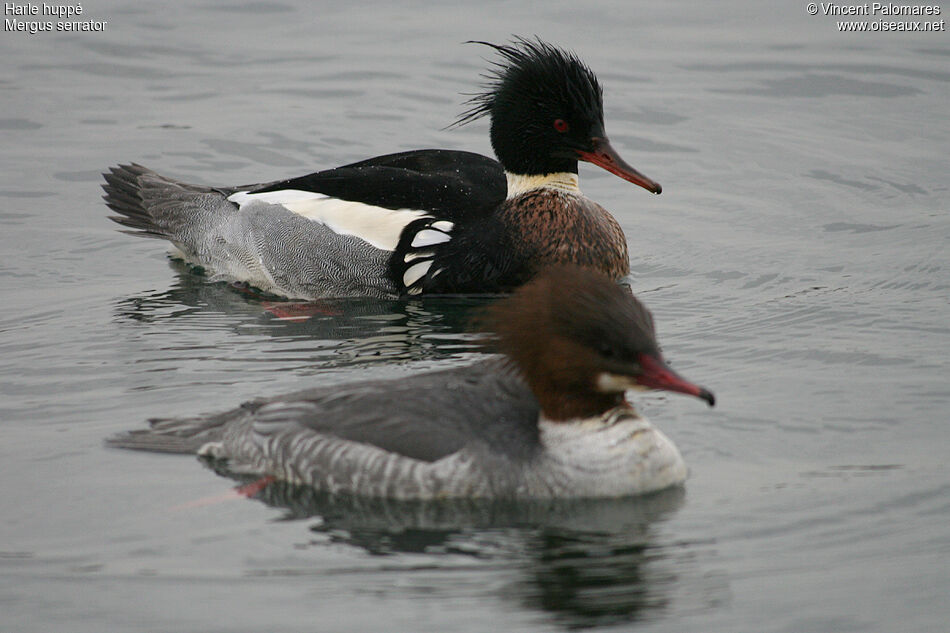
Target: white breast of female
x: 617, y: 454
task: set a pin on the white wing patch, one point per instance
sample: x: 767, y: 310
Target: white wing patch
x: 375, y: 225
x: 429, y: 237
x: 415, y: 272
x: 411, y: 256
x: 421, y: 255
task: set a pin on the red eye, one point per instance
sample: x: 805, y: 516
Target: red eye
x: 561, y: 125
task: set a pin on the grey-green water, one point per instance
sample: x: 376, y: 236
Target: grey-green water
x: 796, y: 263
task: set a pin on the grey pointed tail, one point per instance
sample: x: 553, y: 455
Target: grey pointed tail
x: 175, y: 435
x: 151, y: 204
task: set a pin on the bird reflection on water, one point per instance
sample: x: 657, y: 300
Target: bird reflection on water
x: 581, y: 562
x: 338, y: 332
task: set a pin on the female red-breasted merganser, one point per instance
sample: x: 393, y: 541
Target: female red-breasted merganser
x: 424, y: 221
x: 550, y: 420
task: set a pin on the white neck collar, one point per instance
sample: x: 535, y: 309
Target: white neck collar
x: 564, y: 181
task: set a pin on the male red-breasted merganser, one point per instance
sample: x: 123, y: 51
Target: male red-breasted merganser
x: 424, y: 221
x: 549, y: 420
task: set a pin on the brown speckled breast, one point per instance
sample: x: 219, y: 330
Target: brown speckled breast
x: 554, y: 227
